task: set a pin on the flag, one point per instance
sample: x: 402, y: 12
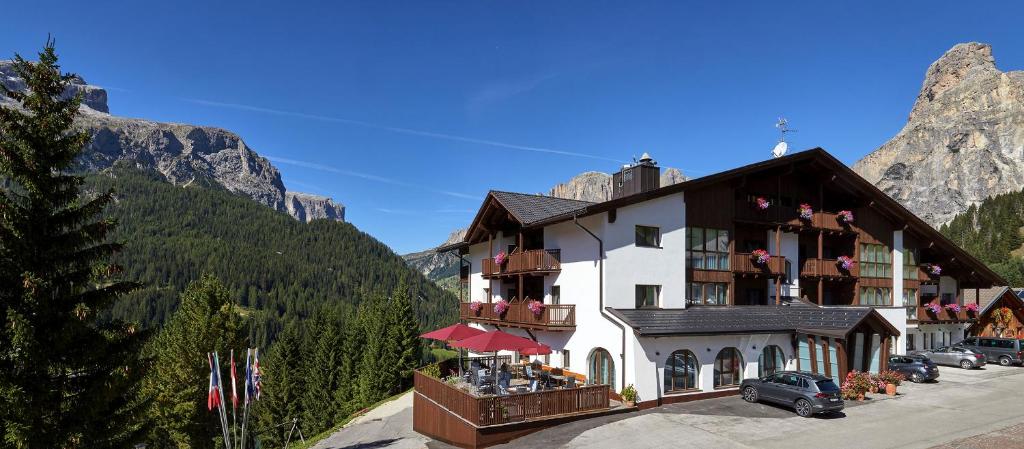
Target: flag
x: 234, y: 389
x: 257, y: 380
x: 213, y: 395
x: 249, y: 391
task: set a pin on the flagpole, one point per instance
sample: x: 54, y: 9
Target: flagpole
x: 223, y: 412
x: 234, y: 400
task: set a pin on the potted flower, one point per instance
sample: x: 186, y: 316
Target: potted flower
x: 953, y: 308
x: 806, y: 211
x: 476, y: 307
x: 845, y: 216
x: 934, y: 269
x: 856, y: 385
x: 500, y: 307
x: 760, y: 257
x: 762, y: 203
x: 934, y: 308
x: 892, y: 380
x: 536, y: 307
x: 500, y: 258
x: 629, y: 396
x: 972, y: 308
x: 845, y: 263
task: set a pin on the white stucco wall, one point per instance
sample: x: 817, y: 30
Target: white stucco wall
x: 940, y: 334
x: 897, y: 269
x: 628, y: 265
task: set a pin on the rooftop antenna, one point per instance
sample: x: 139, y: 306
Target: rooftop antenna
x: 782, y: 146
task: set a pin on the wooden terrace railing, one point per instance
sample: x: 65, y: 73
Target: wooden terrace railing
x: 530, y: 261
x: 827, y: 268
x: 496, y: 410
x: 744, y: 263
x: 552, y: 316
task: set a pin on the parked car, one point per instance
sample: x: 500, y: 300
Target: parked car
x: 965, y: 358
x: 1006, y: 351
x: 807, y: 393
x: 917, y: 368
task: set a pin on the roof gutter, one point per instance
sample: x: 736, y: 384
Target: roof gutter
x: 600, y: 299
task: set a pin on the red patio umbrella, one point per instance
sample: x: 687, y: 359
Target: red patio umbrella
x: 496, y: 341
x: 539, y: 349
x: 453, y: 333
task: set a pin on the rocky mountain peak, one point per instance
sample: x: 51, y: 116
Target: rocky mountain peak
x: 93, y: 97
x: 595, y: 186
x: 963, y: 142
x: 957, y: 66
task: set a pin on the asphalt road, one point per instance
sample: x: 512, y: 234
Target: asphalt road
x: 964, y: 409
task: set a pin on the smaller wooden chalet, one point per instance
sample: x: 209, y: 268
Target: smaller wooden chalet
x: 1001, y: 315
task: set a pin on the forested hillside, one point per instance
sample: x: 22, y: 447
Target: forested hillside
x: 277, y: 267
x: 992, y: 233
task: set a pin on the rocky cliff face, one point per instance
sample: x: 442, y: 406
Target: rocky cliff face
x: 587, y: 186
x: 963, y: 142
x: 183, y: 154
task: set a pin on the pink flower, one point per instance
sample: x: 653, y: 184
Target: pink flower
x: 934, y: 269
x: 845, y: 262
x: 500, y: 307
x: 806, y: 211
x: 934, y: 308
x: 762, y: 203
x: 500, y: 258
x: 846, y: 216
x: 476, y: 306
x: 972, y: 307
x: 536, y: 307
x: 955, y: 308
x: 760, y: 256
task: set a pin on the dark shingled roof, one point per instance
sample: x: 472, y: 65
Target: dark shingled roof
x: 709, y: 320
x: 530, y: 209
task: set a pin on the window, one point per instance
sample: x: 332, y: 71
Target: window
x: 709, y: 293
x: 556, y: 294
x: 875, y: 261
x: 910, y: 343
x: 565, y: 358
x: 647, y: 296
x: 728, y: 368
x: 709, y: 249
x: 910, y: 297
x: 681, y: 370
x: 875, y: 296
x: 909, y: 264
x: 771, y: 361
x: 648, y: 236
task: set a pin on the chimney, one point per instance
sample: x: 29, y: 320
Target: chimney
x: 642, y: 176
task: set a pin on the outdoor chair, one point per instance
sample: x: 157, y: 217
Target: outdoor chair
x: 570, y: 382
x: 529, y: 372
x: 534, y: 385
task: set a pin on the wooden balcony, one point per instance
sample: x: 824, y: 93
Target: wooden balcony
x: 924, y: 315
x: 554, y: 317
x: 829, y: 221
x: 744, y: 263
x: 772, y: 215
x: 827, y: 268
x: 534, y: 261
x: 482, y: 411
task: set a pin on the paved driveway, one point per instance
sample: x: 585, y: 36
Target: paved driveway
x: 960, y: 405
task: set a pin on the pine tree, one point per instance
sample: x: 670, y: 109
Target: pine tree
x: 352, y: 347
x: 378, y: 367
x: 283, y: 388
x: 323, y: 369
x: 208, y: 320
x: 65, y: 379
x: 403, y: 337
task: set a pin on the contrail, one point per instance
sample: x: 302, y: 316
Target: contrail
x: 367, y: 176
x: 394, y: 129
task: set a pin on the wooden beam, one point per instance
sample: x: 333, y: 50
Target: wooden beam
x: 812, y: 348
x: 883, y: 362
x: 843, y: 359
x: 825, y: 355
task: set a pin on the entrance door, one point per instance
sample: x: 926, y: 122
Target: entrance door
x: 756, y: 297
x: 602, y: 368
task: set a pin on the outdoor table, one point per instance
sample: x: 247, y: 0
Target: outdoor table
x: 560, y: 380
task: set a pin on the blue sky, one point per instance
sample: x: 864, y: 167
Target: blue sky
x: 408, y: 112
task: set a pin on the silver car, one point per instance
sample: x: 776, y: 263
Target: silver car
x: 954, y: 356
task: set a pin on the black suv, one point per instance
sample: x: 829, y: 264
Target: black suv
x: 917, y: 368
x: 807, y: 393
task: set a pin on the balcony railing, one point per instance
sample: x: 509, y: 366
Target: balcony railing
x: 496, y: 410
x: 829, y: 221
x: 827, y: 268
x: 744, y: 263
x: 925, y: 314
x: 552, y: 317
x: 531, y: 261
x: 773, y: 214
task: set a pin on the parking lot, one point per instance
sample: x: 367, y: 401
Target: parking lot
x: 960, y: 405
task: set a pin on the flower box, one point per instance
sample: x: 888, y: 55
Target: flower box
x: 806, y: 212
x: 760, y: 257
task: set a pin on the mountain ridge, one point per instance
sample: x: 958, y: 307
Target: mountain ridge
x: 181, y: 153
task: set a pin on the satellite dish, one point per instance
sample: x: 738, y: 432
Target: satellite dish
x: 780, y: 149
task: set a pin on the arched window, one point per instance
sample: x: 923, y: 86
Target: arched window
x: 601, y: 367
x: 728, y: 368
x: 681, y: 370
x: 771, y: 361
